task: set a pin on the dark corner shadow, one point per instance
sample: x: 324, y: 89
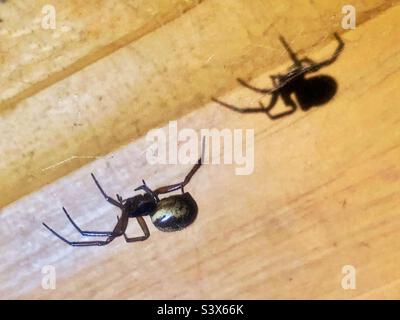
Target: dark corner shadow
x: 310, y: 92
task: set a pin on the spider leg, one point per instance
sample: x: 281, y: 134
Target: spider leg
x: 249, y: 86
x: 146, y: 189
x: 89, y: 233
x: 181, y: 185
x: 144, y: 228
x: 291, y: 53
x: 120, y: 200
x: 80, y: 243
x: 109, y: 199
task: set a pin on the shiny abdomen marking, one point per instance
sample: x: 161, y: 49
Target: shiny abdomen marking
x: 175, y: 212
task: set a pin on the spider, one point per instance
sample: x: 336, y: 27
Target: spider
x: 172, y: 213
x: 309, y: 92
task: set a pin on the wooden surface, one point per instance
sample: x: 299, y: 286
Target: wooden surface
x: 325, y: 191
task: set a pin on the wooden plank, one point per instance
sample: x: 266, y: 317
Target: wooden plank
x: 325, y: 193
x: 91, y: 108
x: 35, y: 57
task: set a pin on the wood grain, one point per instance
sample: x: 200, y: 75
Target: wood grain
x: 325, y: 190
x: 34, y: 57
x: 163, y: 75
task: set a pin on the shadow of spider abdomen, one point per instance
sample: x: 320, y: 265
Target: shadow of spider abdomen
x: 315, y: 91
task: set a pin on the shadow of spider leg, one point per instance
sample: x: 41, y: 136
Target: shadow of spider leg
x: 308, y: 61
x: 291, y: 53
x: 259, y: 90
x: 314, y: 66
x: 334, y: 56
x: 261, y: 109
x: 288, y: 101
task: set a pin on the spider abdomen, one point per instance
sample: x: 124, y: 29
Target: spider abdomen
x: 174, y: 213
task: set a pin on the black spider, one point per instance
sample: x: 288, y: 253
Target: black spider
x: 309, y: 92
x: 172, y: 213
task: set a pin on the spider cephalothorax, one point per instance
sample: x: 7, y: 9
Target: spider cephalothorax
x: 310, y: 92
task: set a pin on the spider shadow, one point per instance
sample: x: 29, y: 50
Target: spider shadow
x: 313, y: 91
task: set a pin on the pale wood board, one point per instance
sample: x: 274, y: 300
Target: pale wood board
x: 325, y: 191
x: 87, y: 107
